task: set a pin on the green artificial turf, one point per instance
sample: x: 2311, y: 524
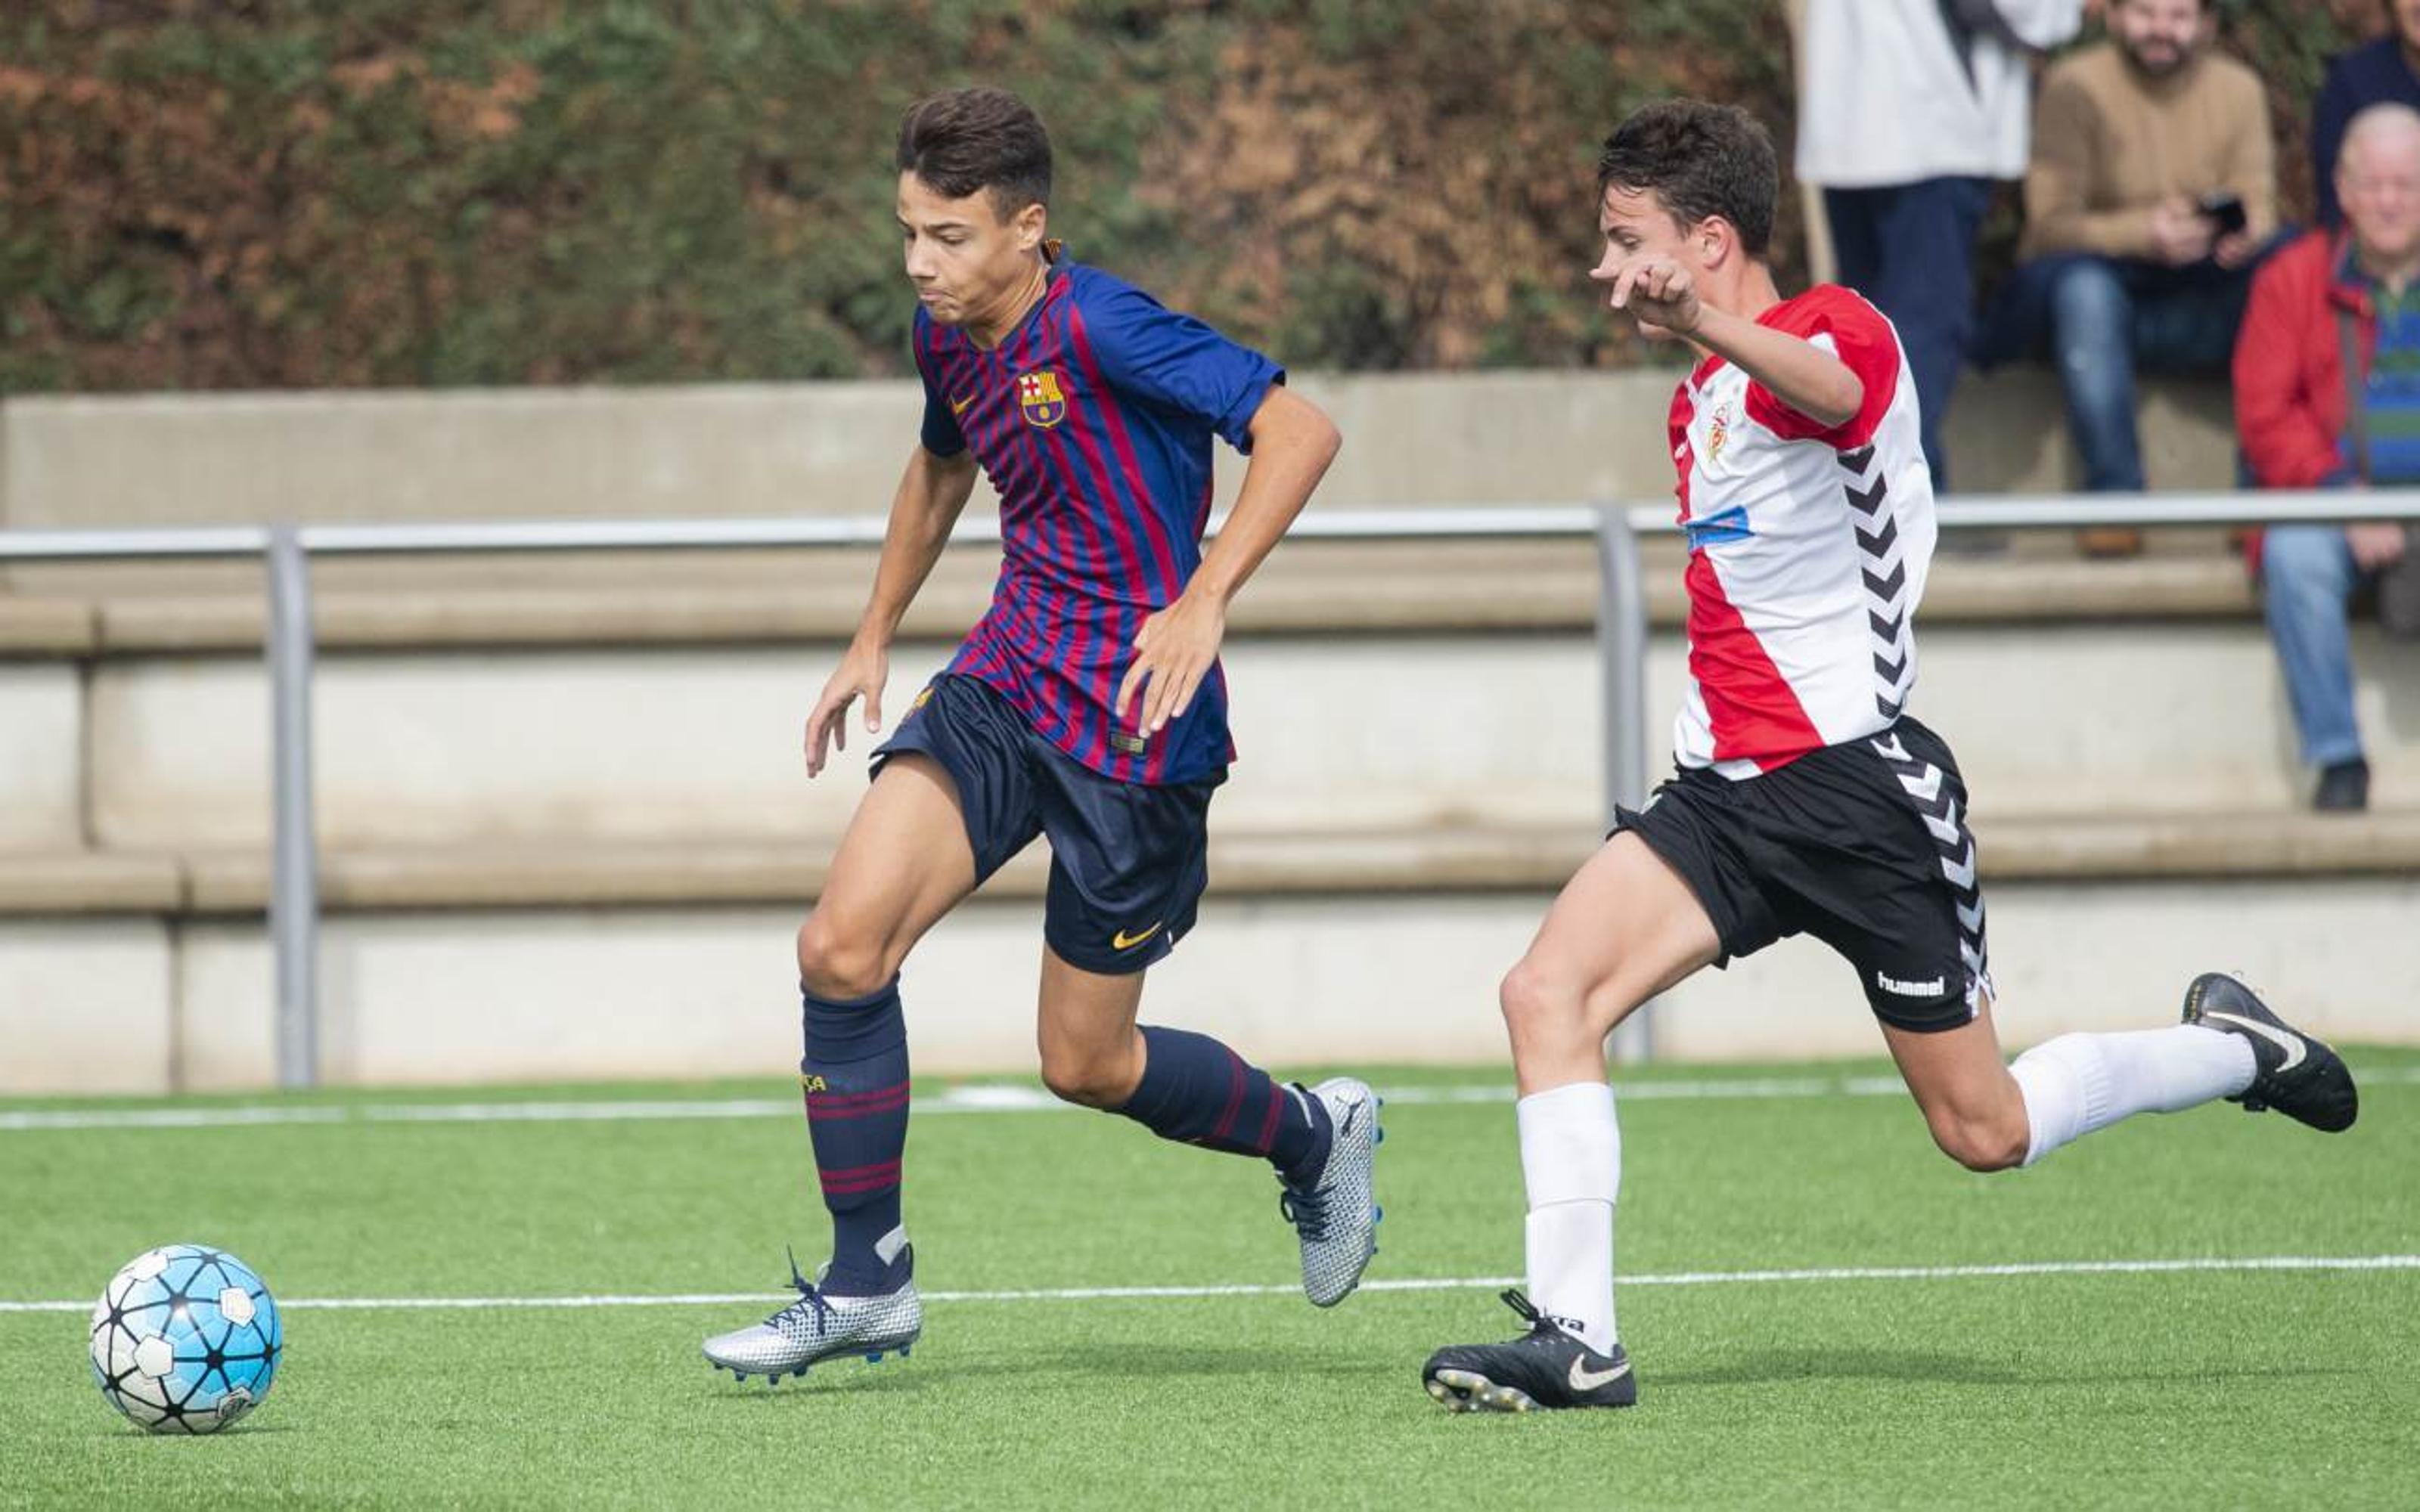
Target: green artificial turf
x: 2222, y: 1388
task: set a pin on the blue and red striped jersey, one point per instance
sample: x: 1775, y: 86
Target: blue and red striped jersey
x: 1093, y: 419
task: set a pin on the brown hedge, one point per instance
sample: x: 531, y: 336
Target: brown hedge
x: 211, y: 194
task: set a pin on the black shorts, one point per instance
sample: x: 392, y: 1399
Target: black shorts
x: 1129, y: 860
x: 1863, y: 845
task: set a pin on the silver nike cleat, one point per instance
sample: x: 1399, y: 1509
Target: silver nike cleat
x: 1336, y: 1214
x: 816, y: 1328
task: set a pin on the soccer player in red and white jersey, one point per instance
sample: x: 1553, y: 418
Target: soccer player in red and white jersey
x: 1807, y: 800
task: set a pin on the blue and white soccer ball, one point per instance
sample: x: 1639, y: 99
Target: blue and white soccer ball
x: 185, y: 1341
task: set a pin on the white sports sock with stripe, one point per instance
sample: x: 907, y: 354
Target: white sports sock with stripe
x: 2078, y: 1083
x: 1571, y: 1159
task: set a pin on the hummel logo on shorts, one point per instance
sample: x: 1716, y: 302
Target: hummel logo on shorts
x: 1910, y: 988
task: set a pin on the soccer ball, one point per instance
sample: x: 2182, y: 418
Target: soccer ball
x: 185, y: 1339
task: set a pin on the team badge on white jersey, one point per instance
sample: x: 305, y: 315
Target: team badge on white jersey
x: 1809, y: 549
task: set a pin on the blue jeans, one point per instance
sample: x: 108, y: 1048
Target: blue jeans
x: 1910, y: 248
x: 2310, y: 575
x: 2103, y: 318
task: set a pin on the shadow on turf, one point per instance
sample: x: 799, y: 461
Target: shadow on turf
x: 1137, y: 1361
x: 1917, y: 1365
x: 121, y: 1433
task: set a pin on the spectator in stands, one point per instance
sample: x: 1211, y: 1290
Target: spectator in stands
x: 2386, y: 71
x: 2151, y: 195
x: 2327, y: 394
x: 1908, y: 109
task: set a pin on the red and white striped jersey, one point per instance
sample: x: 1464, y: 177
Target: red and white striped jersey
x: 1807, y: 549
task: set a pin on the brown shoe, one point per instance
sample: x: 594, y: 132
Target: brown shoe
x: 2105, y: 542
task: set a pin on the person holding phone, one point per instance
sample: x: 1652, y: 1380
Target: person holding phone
x: 2150, y: 197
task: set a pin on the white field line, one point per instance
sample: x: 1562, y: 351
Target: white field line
x: 954, y: 1100
x: 1676, y: 1278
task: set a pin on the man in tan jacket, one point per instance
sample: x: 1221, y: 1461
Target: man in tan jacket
x: 2150, y: 194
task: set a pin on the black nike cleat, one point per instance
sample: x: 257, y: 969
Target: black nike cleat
x: 2293, y: 1073
x: 1546, y: 1368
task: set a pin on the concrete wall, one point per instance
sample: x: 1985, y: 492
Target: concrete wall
x: 837, y: 448
x: 41, y: 754
x: 147, y: 753
x: 88, y: 1006
x: 428, y: 748
x: 544, y: 995
x: 669, y: 744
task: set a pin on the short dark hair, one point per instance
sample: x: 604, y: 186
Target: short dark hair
x: 963, y: 139
x: 1701, y: 160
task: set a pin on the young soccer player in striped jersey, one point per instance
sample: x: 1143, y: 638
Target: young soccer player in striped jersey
x: 1807, y: 799
x: 1087, y: 705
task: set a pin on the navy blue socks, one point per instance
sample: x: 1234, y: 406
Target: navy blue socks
x: 855, y: 1077
x: 1197, y: 1090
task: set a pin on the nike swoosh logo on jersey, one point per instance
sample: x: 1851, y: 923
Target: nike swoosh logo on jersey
x: 958, y: 407
x: 1584, y: 1379
x: 2292, y: 1046
x: 1122, y: 941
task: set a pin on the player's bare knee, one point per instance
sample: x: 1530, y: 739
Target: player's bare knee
x: 1530, y: 998
x: 1981, y: 1143
x: 1087, y: 1080
x: 1545, y: 1017
x: 1543, y: 1009
x: 836, y: 962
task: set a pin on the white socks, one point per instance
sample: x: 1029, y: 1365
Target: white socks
x: 1571, y: 1145
x: 2078, y: 1083
x: 1571, y: 1156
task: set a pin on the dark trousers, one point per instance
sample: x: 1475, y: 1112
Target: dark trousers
x: 2101, y: 320
x: 1910, y: 248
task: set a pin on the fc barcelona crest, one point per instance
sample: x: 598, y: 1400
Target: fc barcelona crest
x: 1039, y: 396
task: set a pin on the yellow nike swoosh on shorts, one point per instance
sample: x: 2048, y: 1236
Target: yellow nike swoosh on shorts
x: 1122, y: 941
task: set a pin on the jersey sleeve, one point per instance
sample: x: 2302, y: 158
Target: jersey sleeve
x: 941, y: 433
x: 1856, y: 334
x: 1176, y: 363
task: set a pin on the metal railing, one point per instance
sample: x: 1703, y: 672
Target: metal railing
x: 1630, y: 736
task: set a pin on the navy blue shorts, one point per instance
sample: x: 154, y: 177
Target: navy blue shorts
x: 1129, y: 860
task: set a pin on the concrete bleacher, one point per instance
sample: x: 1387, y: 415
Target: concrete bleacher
x: 566, y: 833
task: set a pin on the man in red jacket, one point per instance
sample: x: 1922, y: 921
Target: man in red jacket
x: 2304, y: 424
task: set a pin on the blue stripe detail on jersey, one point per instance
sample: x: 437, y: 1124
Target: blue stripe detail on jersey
x: 1716, y: 528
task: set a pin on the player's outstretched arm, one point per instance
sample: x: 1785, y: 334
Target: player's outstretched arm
x: 932, y: 494
x: 1293, y: 444
x: 1798, y: 373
